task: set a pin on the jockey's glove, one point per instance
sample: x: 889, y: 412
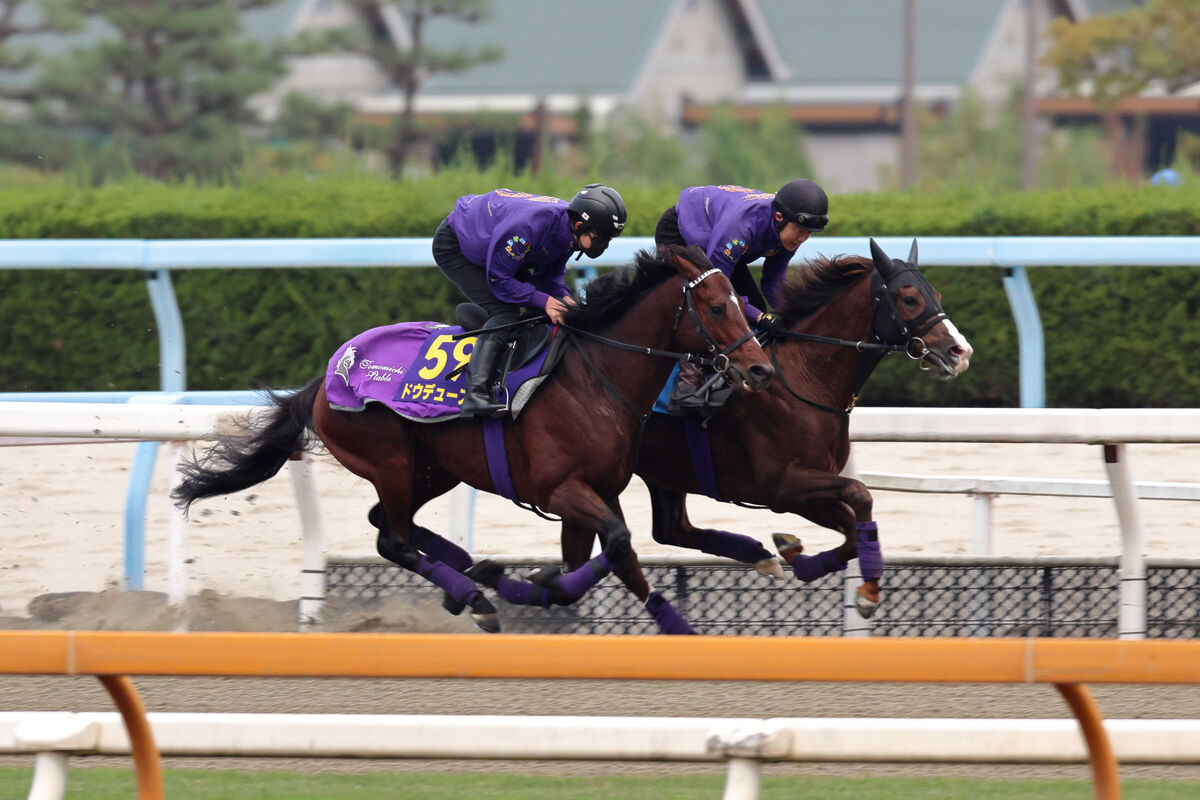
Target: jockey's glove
x: 772, y: 325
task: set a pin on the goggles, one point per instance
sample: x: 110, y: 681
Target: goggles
x: 811, y: 222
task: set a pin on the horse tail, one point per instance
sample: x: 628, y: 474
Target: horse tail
x: 236, y: 462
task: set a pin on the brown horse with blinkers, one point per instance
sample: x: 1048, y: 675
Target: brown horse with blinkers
x: 784, y: 448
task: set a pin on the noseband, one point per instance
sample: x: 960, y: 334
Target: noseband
x: 889, y: 328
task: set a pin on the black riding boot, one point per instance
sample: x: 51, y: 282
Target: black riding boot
x: 481, y: 368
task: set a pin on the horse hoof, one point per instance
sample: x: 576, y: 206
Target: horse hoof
x: 452, y: 605
x: 865, y: 603
x: 785, y: 541
x: 484, y: 615
x: 485, y: 573
x: 788, y: 546
x: 544, y: 576
x: 488, y: 623
x: 769, y: 567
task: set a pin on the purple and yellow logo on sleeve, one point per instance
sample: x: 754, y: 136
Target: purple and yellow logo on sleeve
x: 516, y: 247
x: 734, y: 249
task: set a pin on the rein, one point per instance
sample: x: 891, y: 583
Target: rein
x: 719, y: 361
x: 914, y: 347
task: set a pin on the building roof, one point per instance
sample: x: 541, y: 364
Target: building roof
x: 859, y: 42
x: 551, y: 46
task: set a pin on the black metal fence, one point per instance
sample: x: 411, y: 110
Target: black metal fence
x: 1007, y: 598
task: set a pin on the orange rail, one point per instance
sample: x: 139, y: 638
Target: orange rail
x: 1066, y: 663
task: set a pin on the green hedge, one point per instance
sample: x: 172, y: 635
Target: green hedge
x: 1114, y: 336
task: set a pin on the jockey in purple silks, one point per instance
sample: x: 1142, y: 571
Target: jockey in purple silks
x: 508, y: 250
x: 736, y: 226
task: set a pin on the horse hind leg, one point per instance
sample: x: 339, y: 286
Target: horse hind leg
x: 395, y: 542
x: 671, y: 526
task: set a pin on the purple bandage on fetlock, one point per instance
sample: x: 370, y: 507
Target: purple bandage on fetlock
x: 669, y: 620
x: 460, y: 587
x: 809, y: 568
x: 737, y: 546
x: 870, y: 554
x: 576, y: 582
x: 522, y: 593
x: 441, y: 549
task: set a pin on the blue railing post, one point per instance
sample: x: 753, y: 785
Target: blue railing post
x: 172, y: 377
x: 1029, y: 336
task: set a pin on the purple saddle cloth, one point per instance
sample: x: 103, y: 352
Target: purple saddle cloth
x: 405, y: 367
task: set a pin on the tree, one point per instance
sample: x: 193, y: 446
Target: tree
x: 392, y: 34
x: 52, y: 16
x: 170, y: 89
x: 1109, y: 57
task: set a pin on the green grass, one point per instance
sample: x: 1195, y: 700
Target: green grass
x: 114, y: 784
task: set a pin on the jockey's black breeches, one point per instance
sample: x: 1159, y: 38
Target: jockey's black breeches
x: 470, y: 278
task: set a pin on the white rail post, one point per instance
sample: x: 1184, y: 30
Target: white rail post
x: 49, y: 777
x: 743, y: 780
x: 981, y: 524
x: 1131, y: 622
x: 462, y: 517
x: 853, y: 623
x: 312, y: 540
x: 177, y: 571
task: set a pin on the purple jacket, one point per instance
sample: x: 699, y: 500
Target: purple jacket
x: 522, y: 241
x: 735, y: 224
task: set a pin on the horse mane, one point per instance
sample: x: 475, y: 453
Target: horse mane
x: 609, y: 296
x: 815, y: 282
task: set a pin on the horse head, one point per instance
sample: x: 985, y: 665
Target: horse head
x: 909, y: 314
x: 719, y: 326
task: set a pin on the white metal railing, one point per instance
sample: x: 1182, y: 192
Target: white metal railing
x: 1112, y: 428
x: 742, y: 743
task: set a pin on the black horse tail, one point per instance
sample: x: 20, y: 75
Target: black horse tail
x: 236, y: 462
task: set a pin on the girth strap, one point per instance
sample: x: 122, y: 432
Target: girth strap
x: 702, y: 463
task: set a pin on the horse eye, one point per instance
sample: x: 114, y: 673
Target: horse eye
x: 910, y: 301
x: 717, y: 311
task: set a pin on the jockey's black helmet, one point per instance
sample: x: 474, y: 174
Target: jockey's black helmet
x: 803, y: 202
x: 602, y: 212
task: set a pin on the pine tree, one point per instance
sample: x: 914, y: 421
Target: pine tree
x: 168, y: 83
x: 392, y: 34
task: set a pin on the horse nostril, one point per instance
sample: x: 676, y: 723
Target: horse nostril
x: 761, y: 373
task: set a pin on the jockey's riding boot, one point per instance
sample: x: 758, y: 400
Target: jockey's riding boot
x: 484, y: 359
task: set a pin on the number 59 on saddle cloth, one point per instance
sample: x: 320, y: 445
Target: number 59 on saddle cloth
x: 414, y: 368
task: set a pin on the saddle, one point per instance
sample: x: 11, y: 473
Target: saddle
x: 698, y: 393
x: 525, y: 342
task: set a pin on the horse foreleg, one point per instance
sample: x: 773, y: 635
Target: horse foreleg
x: 583, y: 522
x: 672, y: 527
x: 844, y: 505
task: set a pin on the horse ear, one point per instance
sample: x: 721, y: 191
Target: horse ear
x: 912, y: 253
x: 690, y: 260
x: 883, y: 262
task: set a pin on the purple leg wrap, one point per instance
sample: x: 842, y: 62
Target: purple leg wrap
x: 732, y: 545
x: 522, y: 593
x: 441, y: 549
x: 460, y: 587
x: 670, y: 621
x: 870, y: 555
x: 809, y: 568
x: 577, y: 582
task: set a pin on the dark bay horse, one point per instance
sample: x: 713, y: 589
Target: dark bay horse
x: 784, y: 448
x: 569, y: 453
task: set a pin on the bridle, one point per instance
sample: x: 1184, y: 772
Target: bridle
x: 889, y: 334
x: 717, y: 358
